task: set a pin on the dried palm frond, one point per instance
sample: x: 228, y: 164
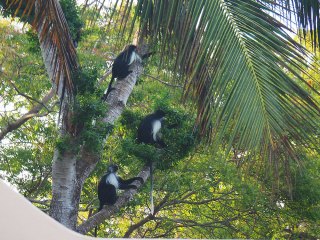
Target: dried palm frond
x: 55, y: 40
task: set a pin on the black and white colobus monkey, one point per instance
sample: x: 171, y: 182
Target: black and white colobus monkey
x: 120, y: 66
x: 148, y: 132
x: 109, y: 183
x: 149, y: 128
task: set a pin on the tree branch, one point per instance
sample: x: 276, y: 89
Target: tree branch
x: 31, y: 113
x: 205, y: 201
x: 26, y: 96
x: 147, y: 219
x: 104, y: 77
x: 192, y: 223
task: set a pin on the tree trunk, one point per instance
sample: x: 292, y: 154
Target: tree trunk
x: 69, y: 173
x: 64, y: 187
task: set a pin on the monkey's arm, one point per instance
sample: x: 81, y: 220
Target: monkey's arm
x: 125, y: 184
x: 105, y: 95
x: 144, y: 56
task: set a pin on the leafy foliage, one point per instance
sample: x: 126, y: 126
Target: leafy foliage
x: 72, y: 14
x: 48, y: 16
x: 87, y: 108
x: 177, y: 126
x: 259, y: 96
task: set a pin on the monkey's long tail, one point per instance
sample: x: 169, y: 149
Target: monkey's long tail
x: 96, y: 228
x: 106, y: 93
x: 95, y: 231
x: 151, y: 189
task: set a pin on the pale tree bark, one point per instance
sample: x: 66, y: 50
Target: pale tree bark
x: 64, y: 184
x: 66, y: 188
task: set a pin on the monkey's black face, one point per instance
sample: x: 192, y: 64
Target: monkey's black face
x: 130, y: 48
x: 113, y: 168
x: 159, y: 114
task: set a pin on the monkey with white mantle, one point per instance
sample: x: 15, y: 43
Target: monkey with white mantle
x: 108, y: 185
x: 121, y: 65
x: 110, y: 182
x: 148, y: 133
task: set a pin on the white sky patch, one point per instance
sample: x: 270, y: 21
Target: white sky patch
x: 289, y: 21
x: 93, y: 3
x: 10, y: 107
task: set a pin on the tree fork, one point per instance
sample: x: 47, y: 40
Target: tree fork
x: 70, y: 169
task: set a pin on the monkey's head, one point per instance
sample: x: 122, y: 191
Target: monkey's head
x: 131, y: 48
x: 113, y: 168
x: 159, y: 114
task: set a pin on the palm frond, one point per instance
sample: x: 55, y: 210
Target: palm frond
x: 55, y: 40
x: 248, y: 58
x: 305, y: 14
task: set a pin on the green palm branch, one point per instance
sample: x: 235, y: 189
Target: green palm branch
x: 240, y: 66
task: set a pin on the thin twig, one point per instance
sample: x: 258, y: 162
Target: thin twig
x: 31, y: 113
x: 104, y: 76
x: 42, y: 202
x: 161, y: 81
x: 26, y: 96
